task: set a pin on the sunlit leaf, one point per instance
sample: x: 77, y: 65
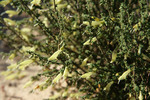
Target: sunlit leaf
x: 9, y: 22
x: 12, y: 76
x: 88, y: 42
x: 124, y: 75
x: 87, y: 75
x: 145, y: 57
x: 36, y: 2
x: 56, y: 1
x: 140, y: 96
x: 6, y: 73
x: 60, y: 6
x: 25, y: 63
x: 84, y: 62
x: 66, y: 72
x: 25, y: 36
x: 12, y: 66
x: 26, y: 30
x: 94, y: 23
x: 29, y: 83
x: 55, y: 55
x: 107, y: 88
x: 65, y: 93
x: 12, y: 56
x: 57, y: 78
x: 11, y: 13
x: 114, y: 56
x: 5, y: 2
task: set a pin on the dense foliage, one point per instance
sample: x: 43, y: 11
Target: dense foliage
x: 101, y: 47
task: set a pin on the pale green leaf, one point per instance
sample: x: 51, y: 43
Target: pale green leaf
x: 114, y: 56
x: 11, y: 13
x: 84, y: 62
x: 5, y: 2
x: 124, y: 75
x: 25, y: 63
x: 66, y: 72
x: 36, y: 2
x: 57, y: 78
x: 9, y: 21
x: 55, y: 55
x: 88, y: 42
x: 107, y: 88
x: 140, y: 96
x: 29, y: 83
x: 87, y: 75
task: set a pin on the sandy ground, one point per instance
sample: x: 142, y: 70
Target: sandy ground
x: 13, y: 89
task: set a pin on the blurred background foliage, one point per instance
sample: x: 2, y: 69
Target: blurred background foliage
x: 101, y: 47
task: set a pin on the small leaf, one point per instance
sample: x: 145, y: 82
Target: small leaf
x: 84, y: 62
x: 6, y: 73
x: 56, y: 1
x: 57, y: 78
x: 140, y: 96
x: 124, y: 75
x: 25, y: 63
x: 65, y: 94
x: 25, y: 36
x: 96, y: 23
x: 12, y: 66
x: 9, y: 22
x: 139, y: 49
x: 36, y: 2
x: 12, y: 56
x: 29, y: 83
x: 66, y: 72
x: 107, y: 88
x: 12, y: 76
x: 114, y: 56
x: 146, y: 57
x: 25, y: 30
x: 5, y: 2
x: 60, y: 6
x: 87, y: 75
x: 11, y: 13
x: 55, y: 55
x: 88, y: 42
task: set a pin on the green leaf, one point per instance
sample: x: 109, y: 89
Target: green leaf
x: 124, y: 75
x: 25, y: 63
x: 55, y: 55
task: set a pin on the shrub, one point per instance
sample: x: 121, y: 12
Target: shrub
x: 101, y: 47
